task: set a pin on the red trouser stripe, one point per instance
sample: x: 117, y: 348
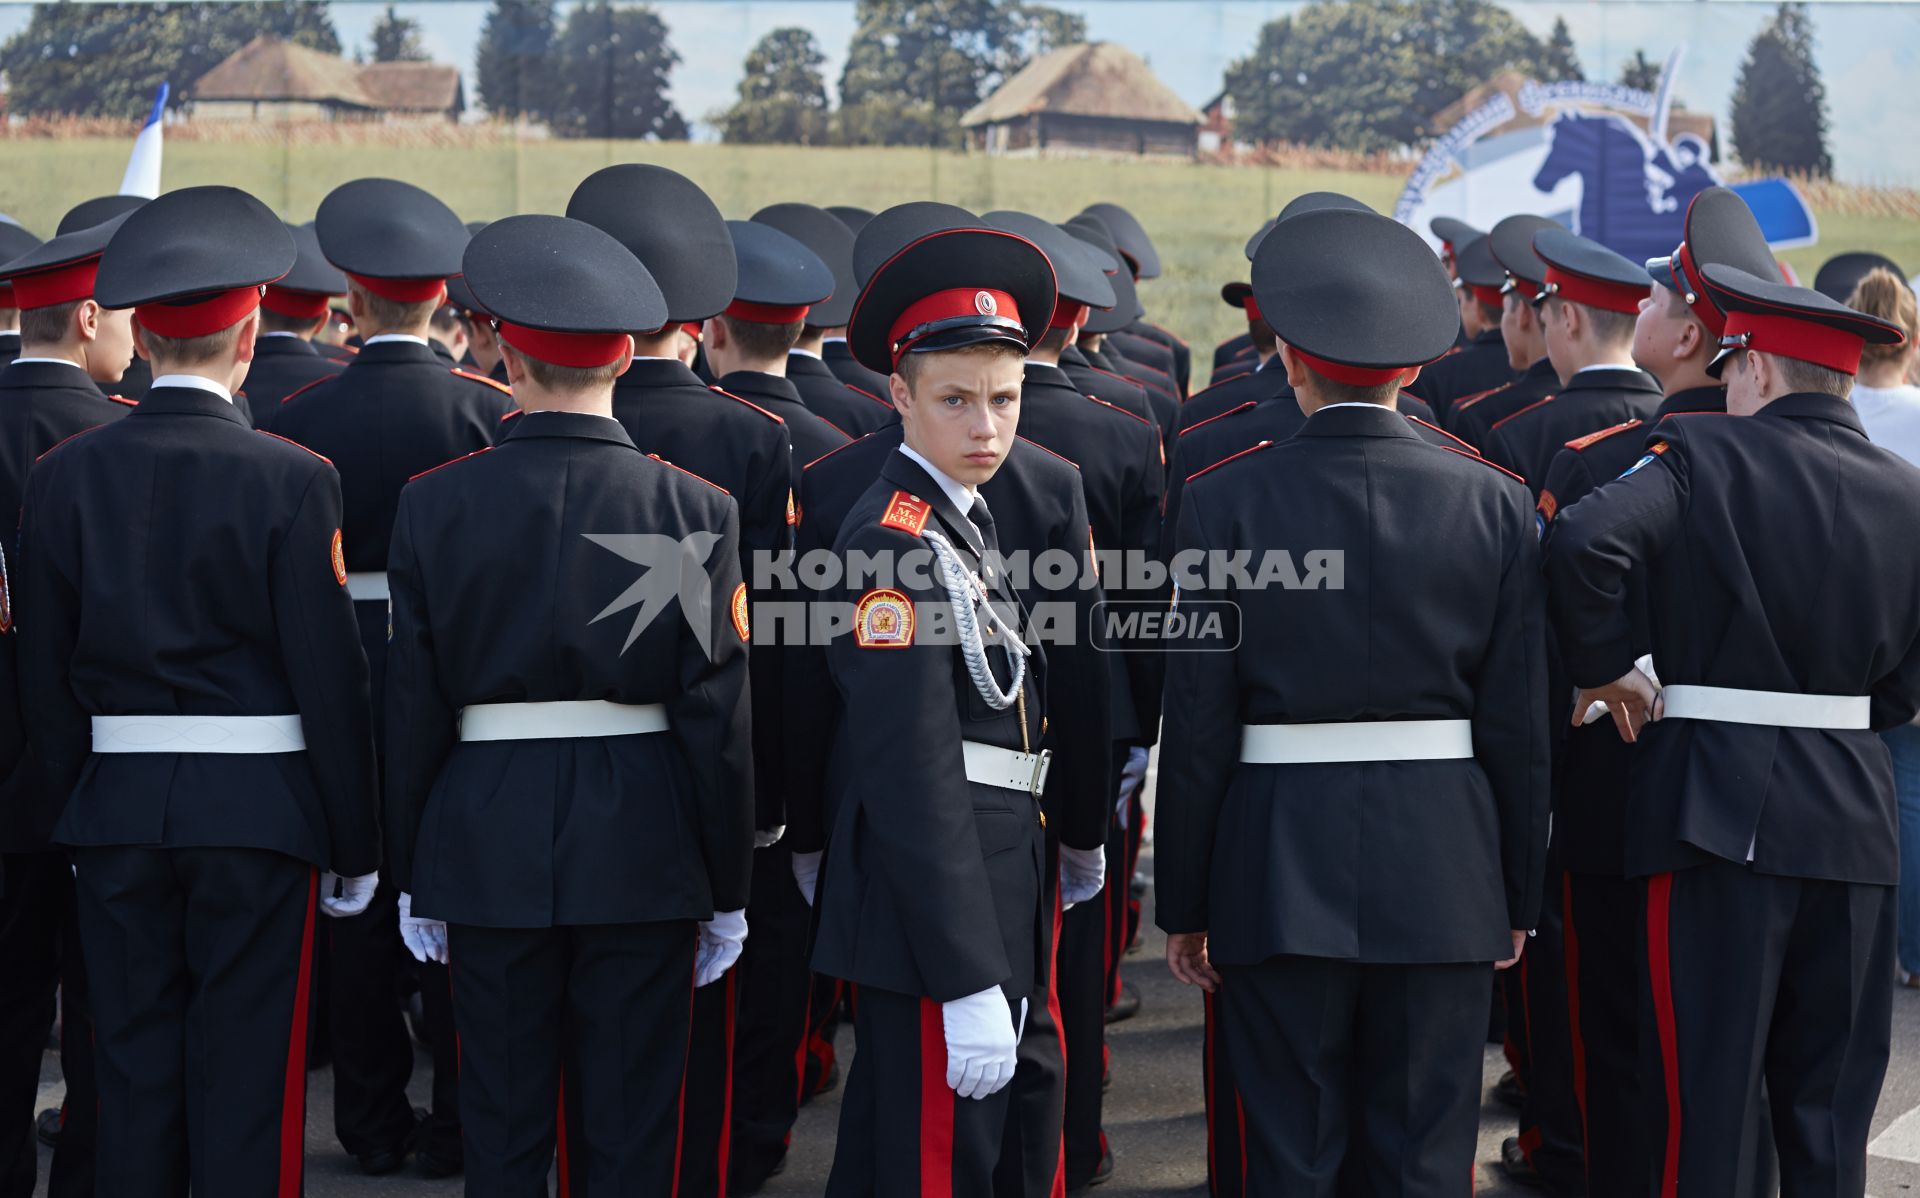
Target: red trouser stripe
x: 562, y: 1165
x: 1059, y: 1187
x: 293, y: 1096
x: 936, y: 1106
x: 1206, y: 1076
x: 1660, y: 973
x: 726, y: 1096
x: 1570, y: 946
x: 680, y: 1124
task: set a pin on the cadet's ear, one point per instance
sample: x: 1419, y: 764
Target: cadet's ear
x: 1296, y: 374
x: 626, y: 357
x: 249, y: 329
x: 86, y: 319
x: 901, y: 394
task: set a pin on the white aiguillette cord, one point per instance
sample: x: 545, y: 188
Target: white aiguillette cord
x: 962, y: 587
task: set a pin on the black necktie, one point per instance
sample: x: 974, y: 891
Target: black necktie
x: 983, y: 521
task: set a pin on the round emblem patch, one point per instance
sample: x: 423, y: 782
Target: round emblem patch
x: 740, y: 611
x: 883, y: 619
x: 985, y: 304
x: 339, y: 559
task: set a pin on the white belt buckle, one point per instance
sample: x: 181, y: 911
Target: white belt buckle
x: 1041, y: 762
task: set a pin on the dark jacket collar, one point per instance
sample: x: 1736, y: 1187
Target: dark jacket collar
x: 38, y: 376
x: 441, y: 352
x: 1613, y: 378
x: 400, y: 351
x: 754, y: 382
x: 1813, y: 405
x: 579, y: 425
x: 187, y: 401
x: 909, y: 476
x: 1492, y: 336
x: 1693, y: 399
x: 1370, y: 421
x: 799, y: 363
x: 1047, y: 375
x: 284, y: 347
x: 1073, y: 355
x: 658, y: 372
x: 1543, y: 369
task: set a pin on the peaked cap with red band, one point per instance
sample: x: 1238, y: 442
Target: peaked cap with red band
x: 14, y: 242
x: 561, y: 290
x: 392, y: 238
x: 194, y: 261
x: 1720, y: 230
x: 1581, y: 271
x: 1512, y: 244
x: 1129, y: 236
x: 306, y: 292
x: 1357, y: 297
x: 1305, y: 202
x: 1079, y: 270
x: 62, y: 270
x: 1772, y: 317
x: 1476, y: 269
x: 780, y: 278
x: 1126, y: 297
x: 832, y: 242
x: 1240, y: 295
x: 949, y: 289
x: 671, y: 225
x: 1452, y: 232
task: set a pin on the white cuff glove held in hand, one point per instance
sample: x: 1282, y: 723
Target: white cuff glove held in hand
x: 426, y: 939
x: 1132, y: 775
x: 355, y: 893
x: 981, y: 1042
x: 1082, y: 873
x: 721, y: 939
x: 806, y: 874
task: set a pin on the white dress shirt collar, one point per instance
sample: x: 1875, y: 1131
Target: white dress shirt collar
x: 961, y: 497
x: 194, y: 381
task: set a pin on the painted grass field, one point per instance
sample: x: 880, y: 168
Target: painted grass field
x: 1199, y: 215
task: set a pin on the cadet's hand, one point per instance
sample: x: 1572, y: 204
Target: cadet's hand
x: 1187, y: 957
x: 769, y: 838
x: 721, y: 939
x: 981, y: 1042
x: 355, y: 893
x: 426, y: 939
x: 1082, y: 873
x: 806, y: 873
x: 1519, y: 944
x: 1632, y: 699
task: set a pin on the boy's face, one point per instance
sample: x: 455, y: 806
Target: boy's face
x: 961, y: 409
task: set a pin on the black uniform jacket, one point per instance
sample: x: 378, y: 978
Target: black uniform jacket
x: 1475, y: 368
x: 41, y: 405
x: 177, y: 562
x: 1591, y: 762
x: 510, y: 575
x: 1471, y: 416
x: 1153, y: 346
x: 1263, y: 382
x: 855, y: 413
x: 1381, y: 862
x: 281, y: 366
x: 9, y: 347
x: 813, y: 435
x: 1157, y: 384
x: 1038, y: 508
x: 1528, y: 441
x: 930, y: 880
x: 1232, y: 354
x: 1096, y: 383
x: 839, y: 359
x: 1778, y: 556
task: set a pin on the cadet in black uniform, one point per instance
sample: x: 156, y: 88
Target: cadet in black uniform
x: 1357, y: 828
x: 1480, y: 364
x: 1600, y: 908
x: 1761, y: 811
x: 483, y: 344
x: 1163, y: 408
x: 570, y: 784
x: 852, y: 409
x: 1263, y: 378
x: 14, y: 241
x: 210, y: 752
x: 85, y: 215
x: 930, y: 897
x: 1471, y: 416
x: 292, y: 311
x: 1586, y: 309
x: 397, y: 409
x: 70, y: 345
x: 1131, y: 238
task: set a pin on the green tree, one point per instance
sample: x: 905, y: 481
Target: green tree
x: 1640, y: 72
x: 1779, y: 101
x: 109, y: 59
x: 396, y: 38
x: 1559, y: 61
x: 613, y: 67
x: 514, y: 65
x: 783, y: 97
x: 1034, y: 29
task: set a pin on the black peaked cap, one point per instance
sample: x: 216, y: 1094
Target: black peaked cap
x: 775, y: 268
x: 1474, y: 262
x: 195, y: 241
x: 15, y: 241
x: 561, y: 275
x: 1130, y: 236
x: 386, y: 229
x: 1736, y: 290
x: 1512, y: 245
x: 1570, y: 253
x: 311, y: 271
x: 1310, y: 201
x: 952, y: 259
x: 1840, y: 274
x: 855, y: 219
x: 97, y: 210
x: 1355, y: 288
x: 1126, y: 298
x: 88, y: 241
x: 1234, y: 295
x: 1078, y: 269
x: 832, y: 243
x: 671, y: 225
x: 894, y: 228
x: 1453, y: 230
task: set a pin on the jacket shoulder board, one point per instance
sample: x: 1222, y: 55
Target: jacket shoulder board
x: 289, y: 440
x: 1474, y: 457
x: 1523, y: 411
x: 870, y: 395
x: 1043, y: 449
x: 1230, y: 457
x: 1443, y: 432
x: 1116, y: 407
x: 306, y: 387
x: 756, y: 407
x: 132, y: 403
x: 1579, y: 443
x: 62, y: 441
x: 496, y: 384
x: 1233, y: 411
x: 453, y: 461
x: 690, y: 474
x: 1467, y: 401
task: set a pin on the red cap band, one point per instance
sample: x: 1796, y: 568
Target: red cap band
x: 693, y: 329
x: 1595, y: 293
x: 1253, y: 308
x: 1489, y: 296
x: 6, y: 296
x: 951, y: 304
x: 1359, y: 376
x: 220, y: 311
x: 1802, y: 340
x: 1695, y: 295
x: 61, y: 285
x: 584, y: 350
x: 403, y: 291
x: 754, y: 313
x: 1526, y: 287
x: 1067, y: 313
x: 300, y: 305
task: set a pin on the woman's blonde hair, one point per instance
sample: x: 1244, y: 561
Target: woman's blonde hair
x: 1887, y: 296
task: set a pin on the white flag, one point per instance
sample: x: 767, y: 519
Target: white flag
x: 143, y: 165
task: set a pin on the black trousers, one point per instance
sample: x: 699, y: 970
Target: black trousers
x: 904, y: 1133
x: 1033, y: 1152
x: 1092, y: 941
x: 1356, y: 1078
x: 769, y: 1035
x: 39, y: 953
x: 199, y: 962
x: 1764, y: 990
x: 1605, y: 928
x: 367, y: 1035
x: 706, y: 1120
x: 1226, y: 1143
x: 605, y: 1007
x: 1550, y: 1127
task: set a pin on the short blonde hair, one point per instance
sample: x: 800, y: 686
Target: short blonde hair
x: 1887, y: 296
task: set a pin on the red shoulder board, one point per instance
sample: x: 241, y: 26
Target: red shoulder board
x: 1234, y: 411
x: 1223, y: 461
x: 506, y: 416
x: 302, y: 390
x: 1523, y: 411
x: 1116, y: 407
x: 442, y: 466
x: 132, y: 403
x: 1593, y: 438
x: 756, y: 407
x: 1671, y: 415
x: 870, y: 395
x: 690, y: 474
x: 823, y: 457
x: 1443, y: 432
x: 64, y: 440
x: 1467, y: 401
x: 289, y: 440
x: 906, y: 512
x: 1063, y: 457
x: 1474, y: 457
x: 497, y: 385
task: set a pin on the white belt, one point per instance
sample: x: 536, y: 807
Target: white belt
x: 1372, y: 740
x: 568, y: 720
x: 198, y: 734
x: 990, y: 765
x: 1778, y: 709
x: 368, y: 587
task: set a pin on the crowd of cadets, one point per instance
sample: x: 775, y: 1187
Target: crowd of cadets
x: 624, y: 874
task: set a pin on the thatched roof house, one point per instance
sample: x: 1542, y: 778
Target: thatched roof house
x: 1095, y: 97
x: 269, y: 79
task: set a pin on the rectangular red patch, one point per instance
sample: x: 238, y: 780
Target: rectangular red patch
x: 908, y: 513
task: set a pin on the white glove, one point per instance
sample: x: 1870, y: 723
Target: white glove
x: 1082, y: 873
x: 426, y: 939
x: 767, y: 839
x: 982, y: 1042
x: 806, y: 873
x: 1597, y: 710
x: 721, y: 939
x: 355, y: 893
x: 1132, y: 775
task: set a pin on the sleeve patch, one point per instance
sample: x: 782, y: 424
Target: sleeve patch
x: 339, y: 555
x: 908, y: 513
x: 739, y: 607
x: 883, y: 619
x: 793, y: 509
x: 1654, y: 451
x: 1547, y: 505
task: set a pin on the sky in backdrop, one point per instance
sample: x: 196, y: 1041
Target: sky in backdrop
x: 1869, y: 53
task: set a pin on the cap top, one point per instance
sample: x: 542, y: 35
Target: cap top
x: 380, y: 229
x: 949, y: 289
x: 830, y: 241
x: 193, y: 262
x: 1308, y: 201
x: 561, y: 290
x: 1130, y: 237
x: 1512, y: 243
x: 1774, y: 317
